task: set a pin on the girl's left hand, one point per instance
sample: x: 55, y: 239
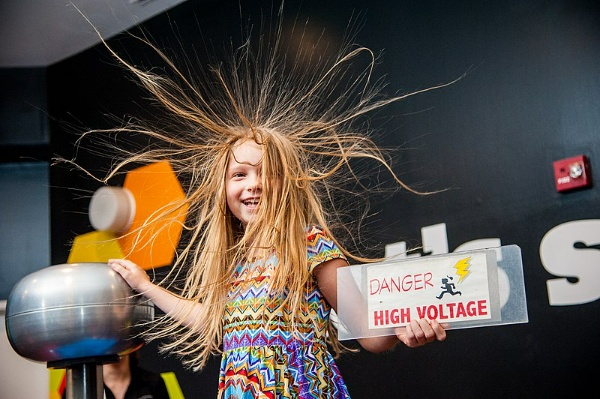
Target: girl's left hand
x: 420, y: 332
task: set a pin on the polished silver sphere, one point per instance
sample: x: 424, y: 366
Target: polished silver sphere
x: 70, y: 311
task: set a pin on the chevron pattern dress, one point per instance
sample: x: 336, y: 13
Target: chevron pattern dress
x: 263, y: 359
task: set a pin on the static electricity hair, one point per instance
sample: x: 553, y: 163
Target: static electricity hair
x: 304, y: 108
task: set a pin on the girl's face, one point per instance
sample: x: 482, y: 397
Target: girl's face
x: 243, y: 184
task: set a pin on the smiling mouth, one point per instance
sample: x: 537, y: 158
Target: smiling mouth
x: 251, y: 202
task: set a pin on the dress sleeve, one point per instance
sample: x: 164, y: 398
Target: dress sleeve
x: 321, y: 248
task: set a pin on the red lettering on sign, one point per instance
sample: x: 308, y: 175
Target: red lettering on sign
x: 391, y: 317
x: 453, y: 310
x: 398, y: 284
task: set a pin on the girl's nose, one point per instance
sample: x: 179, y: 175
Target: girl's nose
x: 254, y: 184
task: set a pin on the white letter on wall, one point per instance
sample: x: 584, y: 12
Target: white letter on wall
x: 565, y: 251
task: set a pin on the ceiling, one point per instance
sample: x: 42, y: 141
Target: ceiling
x: 39, y: 33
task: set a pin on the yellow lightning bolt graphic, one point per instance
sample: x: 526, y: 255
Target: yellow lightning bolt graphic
x: 462, y: 268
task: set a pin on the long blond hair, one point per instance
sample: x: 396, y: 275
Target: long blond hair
x: 303, y: 108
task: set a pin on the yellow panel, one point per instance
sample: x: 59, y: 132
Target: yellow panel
x: 57, y: 383
x: 97, y: 246
x: 172, y: 385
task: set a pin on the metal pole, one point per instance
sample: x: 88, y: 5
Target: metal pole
x: 84, y: 381
x: 83, y: 376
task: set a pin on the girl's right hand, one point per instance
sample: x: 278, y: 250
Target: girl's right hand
x: 135, y: 276
x: 187, y: 312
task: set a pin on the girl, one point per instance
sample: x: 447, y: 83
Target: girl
x: 262, y: 145
x: 269, y: 307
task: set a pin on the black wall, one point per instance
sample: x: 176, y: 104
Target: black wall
x: 530, y: 97
x: 24, y: 170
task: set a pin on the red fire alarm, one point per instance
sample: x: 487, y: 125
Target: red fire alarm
x: 572, y: 173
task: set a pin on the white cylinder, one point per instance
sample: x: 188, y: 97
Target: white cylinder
x: 112, y: 209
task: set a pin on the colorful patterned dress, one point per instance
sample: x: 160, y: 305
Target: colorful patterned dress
x: 263, y: 359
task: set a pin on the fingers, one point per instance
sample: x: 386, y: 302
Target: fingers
x: 438, y: 329
x: 124, y: 263
x: 420, y: 332
x: 441, y: 330
x: 123, y: 266
x: 118, y: 265
x: 130, y: 271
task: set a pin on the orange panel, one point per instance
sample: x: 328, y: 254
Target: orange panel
x: 157, y: 191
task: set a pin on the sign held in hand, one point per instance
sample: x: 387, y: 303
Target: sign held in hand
x: 465, y: 289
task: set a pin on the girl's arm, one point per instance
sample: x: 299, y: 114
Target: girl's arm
x: 183, y: 310
x: 417, y: 333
